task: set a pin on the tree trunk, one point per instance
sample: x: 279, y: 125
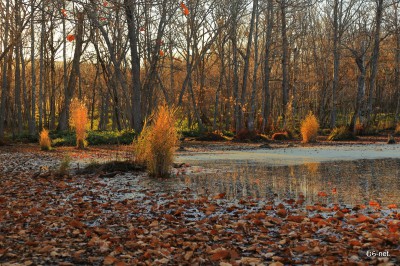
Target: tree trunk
x: 4, y: 88
x: 397, y: 66
x: 24, y: 86
x: 246, y: 65
x: 135, y: 72
x: 285, y: 60
x: 336, y: 61
x: 220, y: 84
x: 41, y: 66
x: 267, y: 68
x: 233, y: 36
x: 252, y: 113
x: 52, y: 83
x: 360, y: 61
x: 75, y: 70
x: 17, y: 81
x: 375, y: 58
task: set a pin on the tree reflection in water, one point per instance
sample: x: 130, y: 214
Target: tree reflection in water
x: 348, y: 182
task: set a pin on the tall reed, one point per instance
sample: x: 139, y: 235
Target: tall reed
x: 78, y: 120
x: 44, y: 140
x: 157, y: 143
x: 309, y: 128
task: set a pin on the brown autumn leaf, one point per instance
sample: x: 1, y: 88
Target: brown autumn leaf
x: 188, y: 255
x: 362, y: 219
x: 219, y: 255
x: 220, y: 196
x: 250, y: 260
x: 295, y: 218
x: 154, y: 224
x: 282, y: 213
x: 77, y: 224
x: 355, y: 242
x: 46, y: 249
x: 109, y: 260
x: 300, y: 248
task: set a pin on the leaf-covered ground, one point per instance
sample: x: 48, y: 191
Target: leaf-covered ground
x: 50, y: 220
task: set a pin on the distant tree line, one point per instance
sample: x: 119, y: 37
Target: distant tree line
x: 227, y: 65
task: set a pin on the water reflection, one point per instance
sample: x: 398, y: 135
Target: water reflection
x: 348, y: 182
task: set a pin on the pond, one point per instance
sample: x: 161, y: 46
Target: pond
x: 339, y: 182
x: 345, y: 182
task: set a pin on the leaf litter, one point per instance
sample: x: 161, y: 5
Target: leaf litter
x: 80, y: 220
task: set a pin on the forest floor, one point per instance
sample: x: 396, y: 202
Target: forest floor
x: 52, y: 219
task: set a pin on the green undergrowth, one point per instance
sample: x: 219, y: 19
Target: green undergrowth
x: 68, y: 138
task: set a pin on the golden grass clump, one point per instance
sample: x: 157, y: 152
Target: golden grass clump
x: 78, y: 120
x: 156, y: 145
x: 309, y: 128
x: 359, y: 128
x: 397, y: 129
x: 44, y: 140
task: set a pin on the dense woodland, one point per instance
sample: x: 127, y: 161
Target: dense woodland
x: 226, y: 65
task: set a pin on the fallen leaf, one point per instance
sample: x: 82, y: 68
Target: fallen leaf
x: 296, y: 219
x: 219, y: 255
x: 109, y: 260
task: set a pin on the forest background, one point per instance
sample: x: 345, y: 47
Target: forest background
x: 228, y: 65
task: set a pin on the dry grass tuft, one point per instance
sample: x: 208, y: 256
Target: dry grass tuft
x: 309, y: 128
x: 341, y: 133
x: 280, y: 136
x: 397, y: 129
x: 44, y: 140
x: 359, y: 128
x: 156, y: 145
x: 79, y: 120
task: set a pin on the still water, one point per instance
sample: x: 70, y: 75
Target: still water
x: 344, y: 182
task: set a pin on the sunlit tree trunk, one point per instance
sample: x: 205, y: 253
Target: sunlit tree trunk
x: 69, y: 93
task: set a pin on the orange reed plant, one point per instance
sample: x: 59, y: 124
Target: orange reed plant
x: 78, y: 120
x: 156, y: 145
x: 309, y: 128
x: 44, y: 140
